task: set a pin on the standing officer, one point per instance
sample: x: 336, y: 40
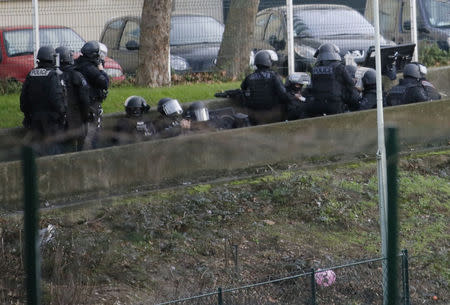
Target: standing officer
x: 77, y: 95
x: 90, y: 65
x: 264, y: 92
x: 332, y: 85
x: 409, y: 89
x: 43, y: 103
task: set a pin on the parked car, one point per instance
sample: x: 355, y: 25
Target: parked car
x: 194, y: 42
x: 314, y: 24
x: 16, y: 53
x: 433, y: 22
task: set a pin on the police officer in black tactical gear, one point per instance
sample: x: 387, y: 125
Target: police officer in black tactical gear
x: 409, y: 90
x: 77, y: 96
x: 170, y: 122
x: 294, y: 84
x: 43, y: 102
x: 332, y: 85
x: 134, y: 127
x: 431, y: 91
x: 91, y: 66
x: 369, y: 93
x: 202, y: 120
x: 264, y: 93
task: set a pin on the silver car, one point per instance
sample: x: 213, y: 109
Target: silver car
x: 194, y: 42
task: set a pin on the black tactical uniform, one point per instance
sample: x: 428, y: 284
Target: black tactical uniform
x: 88, y: 64
x: 409, y: 90
x: 134, y: 127
x: 43, y: 103
x: 296, y: 95
x: 77, y: 95
x: 369, y: 94
x: 264, y: 92
x: 431, y: 91
x: 170, y: 123
x: 331, y: 83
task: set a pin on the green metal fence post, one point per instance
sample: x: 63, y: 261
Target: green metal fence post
x: 392, y: 236
x: 219, y: 296
x: 31, y: 220
x: 405, y: 277
x: 313, y: 287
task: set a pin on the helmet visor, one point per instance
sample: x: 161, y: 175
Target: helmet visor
x: 201, y: 114
x: 172, y: 107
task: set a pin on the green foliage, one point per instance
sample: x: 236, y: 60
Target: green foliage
x: 432, y: 55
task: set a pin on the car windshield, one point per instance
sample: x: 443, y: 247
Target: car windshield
x: 330, y: 22
x: 20, y: 42
x: 195, y: 29
x: 438, y: 13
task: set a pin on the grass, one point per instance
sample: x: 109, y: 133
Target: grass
x: 318, y: 217
x: 11, y: 116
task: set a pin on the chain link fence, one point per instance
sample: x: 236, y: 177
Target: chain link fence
x: 358, y: 282
x: 197, y: 28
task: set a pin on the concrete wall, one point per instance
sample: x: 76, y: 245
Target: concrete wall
x: 123, y: 169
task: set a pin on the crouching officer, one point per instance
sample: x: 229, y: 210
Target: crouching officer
x: 90, y: 65
x: 43, y: 103
x: 134, y: 127
x: 77, y: 96
x: 409, y: 90
x: 331, y: 84
x: 264, y: 92
x: 296, y: 94
x: 369, y: 93
x: 431, y: 91
x: 170, y: 123
x: 201, y: 119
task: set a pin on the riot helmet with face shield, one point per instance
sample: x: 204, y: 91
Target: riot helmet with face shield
x: 65, y: 55
x: 91, y: 49
x: 328, y: 51
x: 169, y: 107
x: 197, y: 111
x: 412, y: 70
x: 135, y: 106
x: 297, y: 80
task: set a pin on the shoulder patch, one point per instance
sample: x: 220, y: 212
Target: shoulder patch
x: 39, y: 72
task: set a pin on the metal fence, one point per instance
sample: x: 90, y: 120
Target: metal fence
x: 358, y: 282
x: 117, y: 23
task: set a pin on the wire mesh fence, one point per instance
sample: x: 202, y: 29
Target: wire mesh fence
x: 199, y: 25
x: 359, y: 282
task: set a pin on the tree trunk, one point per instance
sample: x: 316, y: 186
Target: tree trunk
x: 234, y: 53
x: 153, y: 68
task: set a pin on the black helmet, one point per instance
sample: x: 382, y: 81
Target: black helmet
x: 422, y: 69
x: 298, y: 78
x: 411, y: 70
x: 91, y: 49
x: 263, y: 59
x: 136, y: 106
x: 328, y: 51
x: 65, y: 55
x: 46, y: 54
x: 369, y: 78
x: 168, y: 106
x: 198, y: 112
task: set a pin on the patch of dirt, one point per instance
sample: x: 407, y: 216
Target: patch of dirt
x: 186, y: 241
